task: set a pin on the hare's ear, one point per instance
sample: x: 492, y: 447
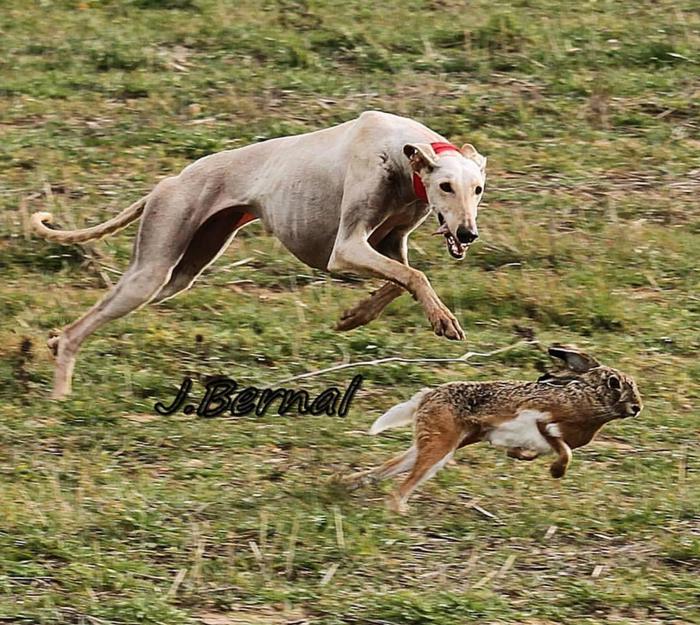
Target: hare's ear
x: 574, y: 359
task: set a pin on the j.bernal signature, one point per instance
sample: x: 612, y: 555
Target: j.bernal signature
x: 222, y: 396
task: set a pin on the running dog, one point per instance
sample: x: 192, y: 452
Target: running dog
x: 344, y: 199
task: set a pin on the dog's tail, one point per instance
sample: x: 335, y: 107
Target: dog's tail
x: 39, y: 221
x: 401, y: 414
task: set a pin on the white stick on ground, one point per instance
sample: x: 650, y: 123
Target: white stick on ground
x: 423, y: 361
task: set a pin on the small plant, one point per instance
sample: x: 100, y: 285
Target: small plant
x: 117, y: 57
x: 501, y: 33
x: 184, y: 5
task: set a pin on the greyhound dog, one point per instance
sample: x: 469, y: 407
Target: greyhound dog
x: 343, y: 199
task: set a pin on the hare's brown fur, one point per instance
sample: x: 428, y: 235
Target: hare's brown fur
x: 557, y: 413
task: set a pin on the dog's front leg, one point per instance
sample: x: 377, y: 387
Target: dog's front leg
x: 355, y: 254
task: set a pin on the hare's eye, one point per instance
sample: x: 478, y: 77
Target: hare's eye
x: 614, y: 383
x: 446, y: 187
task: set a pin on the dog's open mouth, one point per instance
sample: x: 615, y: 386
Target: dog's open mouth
x: 454, y: 247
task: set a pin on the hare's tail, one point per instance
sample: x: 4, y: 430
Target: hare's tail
x: 401, y: 414
x: 39, y: 221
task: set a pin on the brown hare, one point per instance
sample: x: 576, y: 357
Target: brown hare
x: 557, y: 413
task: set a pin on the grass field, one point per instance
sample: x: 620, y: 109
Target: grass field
x: 590, y: 233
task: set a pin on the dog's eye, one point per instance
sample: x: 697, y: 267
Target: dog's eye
x: 614, y: 383
x: 446, y: 187
x: 478, y: 190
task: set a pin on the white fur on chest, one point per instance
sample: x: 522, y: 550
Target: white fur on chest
x: 522, y: 432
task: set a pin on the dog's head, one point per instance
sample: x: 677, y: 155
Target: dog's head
x: 454, y: 185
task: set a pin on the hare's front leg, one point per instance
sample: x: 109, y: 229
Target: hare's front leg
x: 558, y: 468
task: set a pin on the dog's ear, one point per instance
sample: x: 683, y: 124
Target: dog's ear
x: 574, y: 359
x: 469, y: 151
x: 420, y: 155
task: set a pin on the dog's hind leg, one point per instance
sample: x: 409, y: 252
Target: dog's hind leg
x: 161, y: 242
x: 208, y: 243
x: 136, y: 287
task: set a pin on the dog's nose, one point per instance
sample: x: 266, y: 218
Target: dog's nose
x: 635, y: 409
x: 466, y: 236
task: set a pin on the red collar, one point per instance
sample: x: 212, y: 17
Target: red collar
x: 418, y: 186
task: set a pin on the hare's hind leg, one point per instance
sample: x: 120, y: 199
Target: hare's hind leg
x: 398, y: 464
x: 435, y: 449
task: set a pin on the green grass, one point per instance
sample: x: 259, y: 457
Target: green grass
x: 588, y: 113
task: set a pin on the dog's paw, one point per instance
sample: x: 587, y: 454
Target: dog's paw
x: 52, y: 342
x: 353, y: 318
x: 445, y: 324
